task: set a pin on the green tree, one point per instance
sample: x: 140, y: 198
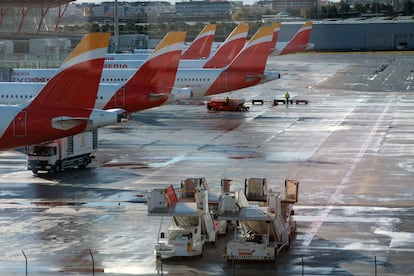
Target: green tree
x: 105, y: 28
x: 344, y: 7
x: 95, y: 28
x: 388, y: 10
x: 408, y: 7
x: 240, y: 15
x: 130, y: 28
x: 360, y: 8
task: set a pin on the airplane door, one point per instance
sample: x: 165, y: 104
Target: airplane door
x: 19, y: 124
x: 120, y: 97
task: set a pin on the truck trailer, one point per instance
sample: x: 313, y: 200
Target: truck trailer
x: 73, y: 152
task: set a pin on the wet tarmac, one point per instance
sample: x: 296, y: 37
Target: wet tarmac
x: 351, y: 148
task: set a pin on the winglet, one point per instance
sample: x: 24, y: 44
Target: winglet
x: 76, y: 83
x: 201, y: 45
x: 155, y: 76
x: 230, y: 47
x: 299, y: 41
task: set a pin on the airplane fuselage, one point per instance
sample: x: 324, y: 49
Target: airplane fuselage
x: 202, y: 81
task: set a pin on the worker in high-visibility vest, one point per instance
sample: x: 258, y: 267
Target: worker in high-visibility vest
x: 287, y: 96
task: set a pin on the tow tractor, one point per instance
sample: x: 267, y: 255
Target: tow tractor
x: 227, y: 105
x: 191, y: 222
x: 265, y: 228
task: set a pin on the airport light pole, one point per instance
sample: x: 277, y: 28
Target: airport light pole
x: 93, y: 262
x: 25, y: 260
x: 116, y: 26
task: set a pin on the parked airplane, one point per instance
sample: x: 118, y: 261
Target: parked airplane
x: 149, y: 86
x: 63, y: 107
x: 298, y: 43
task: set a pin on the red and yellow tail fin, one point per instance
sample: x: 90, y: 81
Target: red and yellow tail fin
x: 276, y: 27
x: 76, y: 83
x: 158, y: 72
x: 201, y: 46
x: 299, y: 41
x: 248, y: 66
x: 155, y: 77
x: 253, y: 56
x: 230, y: 47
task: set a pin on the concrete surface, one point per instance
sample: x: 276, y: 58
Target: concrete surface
x: 351, y: 148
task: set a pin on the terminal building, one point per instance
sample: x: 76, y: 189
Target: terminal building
x: 357, y: 35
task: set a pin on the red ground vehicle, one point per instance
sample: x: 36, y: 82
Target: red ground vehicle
x: 227, y: 105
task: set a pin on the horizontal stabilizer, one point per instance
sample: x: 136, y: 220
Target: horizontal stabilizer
x: 66, y: 123
x: 116, y: 110
x: 158, y: 95
x: 253, y: 77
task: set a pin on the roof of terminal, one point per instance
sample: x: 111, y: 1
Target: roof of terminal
x: 33, y: 3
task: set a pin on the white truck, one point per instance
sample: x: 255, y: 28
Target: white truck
x: 71, y: 152
x: 191, y: 222
x: 265, y: 228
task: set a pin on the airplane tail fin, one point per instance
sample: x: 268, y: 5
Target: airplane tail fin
x: 253, y: 56
x: 230, y: 47
x: 248, y: 67
x: 201, y: 45
x: 157, y: 74
x: 299, y: 41
x: 276, y: 30
x: 79, y: 74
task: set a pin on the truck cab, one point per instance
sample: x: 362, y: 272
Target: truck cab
x: 181, y: 239
x: 42, y: 157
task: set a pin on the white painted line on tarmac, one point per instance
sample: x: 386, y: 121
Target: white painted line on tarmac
x: 322, y: 217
